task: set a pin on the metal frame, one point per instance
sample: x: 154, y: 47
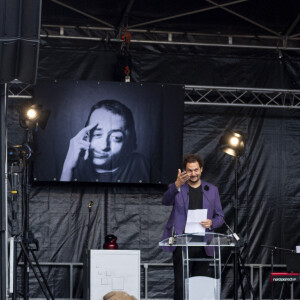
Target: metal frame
x: 140, y: 34
x: 164, y: 37
x: 18, y: 89
x: 254, y: 269
x: 211, y: 95
x: 214, y: 6
x: 242, y: 97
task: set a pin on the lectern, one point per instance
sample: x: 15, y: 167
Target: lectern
x: 201, y: 287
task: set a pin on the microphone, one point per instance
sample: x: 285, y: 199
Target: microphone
x: 172, y: 238
x: 91, y: 203
x: 235, y: 236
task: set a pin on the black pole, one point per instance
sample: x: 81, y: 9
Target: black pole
x: 86, y: 258
x: 272, y: 270
x: 3, y: 206
x: 236, y: 250
x: 236, y: 198
x: 26, y: 229
x: 27, y: 235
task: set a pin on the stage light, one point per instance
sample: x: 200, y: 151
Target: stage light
x: 32, y: 113
x: 34, y: 116
x: 232, y: 143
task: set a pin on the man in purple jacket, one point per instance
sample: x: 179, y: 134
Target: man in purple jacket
x: 189, y: 192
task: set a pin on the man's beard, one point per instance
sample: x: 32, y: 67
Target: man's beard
x: 195, y: 179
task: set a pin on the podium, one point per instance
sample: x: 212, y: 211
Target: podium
x: 201, y: 287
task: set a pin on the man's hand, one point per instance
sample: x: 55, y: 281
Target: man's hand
x: 182, y: 178
x: 207, y: 223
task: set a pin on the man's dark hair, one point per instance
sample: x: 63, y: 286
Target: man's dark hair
x: 122, y: 110
x: 190, y: 158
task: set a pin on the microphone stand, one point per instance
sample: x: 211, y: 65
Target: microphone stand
x: 278, y: 248
x: 239, y: 242
x: 86, y: 261
x: 91, y: 203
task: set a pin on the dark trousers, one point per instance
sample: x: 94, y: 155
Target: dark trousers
x: 196, y: 268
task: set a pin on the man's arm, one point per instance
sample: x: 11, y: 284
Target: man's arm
x: 170, y: 194
x: 218, y: 219
x: 218, y: 215
x: 174, y: 188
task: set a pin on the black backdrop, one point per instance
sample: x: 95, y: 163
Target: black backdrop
x: 174, y: 64
x: 268, y: 171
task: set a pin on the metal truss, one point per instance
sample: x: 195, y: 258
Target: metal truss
x: 163, y: 37
x: 18, y: 89
x: 209, y: 95
x: 242, y: 97
x: 142, y: 33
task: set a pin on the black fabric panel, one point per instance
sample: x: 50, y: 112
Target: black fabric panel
x: 77, y: 65
x: 175, y: 64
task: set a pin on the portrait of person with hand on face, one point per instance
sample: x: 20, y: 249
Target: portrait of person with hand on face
x: 104, y: 150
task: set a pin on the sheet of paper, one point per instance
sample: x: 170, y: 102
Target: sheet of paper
x: 194, y: 217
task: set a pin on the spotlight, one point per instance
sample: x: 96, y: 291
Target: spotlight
x: 232, y: 143
x: 33, y: 116
x: 19, y: 152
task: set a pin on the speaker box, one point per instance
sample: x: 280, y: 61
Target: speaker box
x: 19, y: 39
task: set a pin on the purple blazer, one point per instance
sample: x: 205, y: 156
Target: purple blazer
x: 180, y: 202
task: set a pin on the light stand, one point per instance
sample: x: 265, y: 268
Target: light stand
x: 25, y: 239
x: 237, y: 259
x: 235, y: 226
x: 232, y: 143
x: 3, y: 194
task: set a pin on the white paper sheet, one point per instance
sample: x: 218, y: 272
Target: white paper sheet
x: 194, y: 217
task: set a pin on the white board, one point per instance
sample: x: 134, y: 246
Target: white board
x: 114, y: 270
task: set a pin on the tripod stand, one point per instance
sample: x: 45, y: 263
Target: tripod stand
x: 240, y: 265
x: 25, y: 240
